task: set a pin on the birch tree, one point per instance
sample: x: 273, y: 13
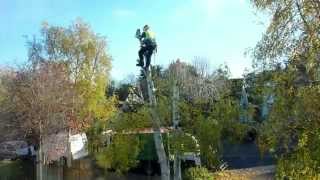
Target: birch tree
x: 292, y: 39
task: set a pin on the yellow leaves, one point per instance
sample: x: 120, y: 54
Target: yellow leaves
x: 66, y: 44
x: 88, y: 65
x: 106, y: 109
x: 303, y: 140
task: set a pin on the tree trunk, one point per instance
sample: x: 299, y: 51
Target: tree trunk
x: 175, y: 120
x: 162, y: 157
x: 39, y: 163
x: 177, y: 167
x: 40, y: 155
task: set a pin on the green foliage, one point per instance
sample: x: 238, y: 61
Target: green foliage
x: 304, y: 161
x: 148, y: 150
x: 164, y: 110
x: 218, y: 121
x: 131, y: 120
x: 282, y: 40
x: 198, y: 173
x: 120, y: 155
x: 88, y: 66
x: 96, y: 139
x: 209, y: 116
x: 209, y: 134
x: 300, y: 164
x: 204, y: 121
x: 63, y: 85
x: 292, y: 130
x: 181, y: 142
x: 226, y: 111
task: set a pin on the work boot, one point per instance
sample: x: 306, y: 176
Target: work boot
x: 139, y: 63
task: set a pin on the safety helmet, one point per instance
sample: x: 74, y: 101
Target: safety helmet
x: 146, y: 27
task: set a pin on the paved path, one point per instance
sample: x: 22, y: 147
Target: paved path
x: 256, y: 173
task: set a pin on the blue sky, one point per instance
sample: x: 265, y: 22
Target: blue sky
x: 219, y: 30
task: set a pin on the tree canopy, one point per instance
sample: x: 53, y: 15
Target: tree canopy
x: 63, y: 85
x: 291, y: 46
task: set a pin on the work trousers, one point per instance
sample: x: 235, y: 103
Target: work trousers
x: 147, y: 52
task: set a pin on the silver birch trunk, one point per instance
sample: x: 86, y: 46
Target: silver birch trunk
x: 162, y: 157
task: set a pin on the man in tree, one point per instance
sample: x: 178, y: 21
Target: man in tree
x: 148, y: 45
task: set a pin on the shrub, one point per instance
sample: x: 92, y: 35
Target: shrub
x: 198, y: 173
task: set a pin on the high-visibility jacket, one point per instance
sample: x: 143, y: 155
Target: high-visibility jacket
x: 148, y: 38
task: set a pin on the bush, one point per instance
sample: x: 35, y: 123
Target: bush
x: 297, y: 166
x: 292, y: 132
x: 120, y: 155
x: 303, y: 162
x: 198, y: 173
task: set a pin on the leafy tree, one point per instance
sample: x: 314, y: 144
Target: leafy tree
x: 204, y: 119
x: 292, y: 39
x: 206, y: 108
x: 63, y: 85
x: 120, y: 152
x: 292, y: 35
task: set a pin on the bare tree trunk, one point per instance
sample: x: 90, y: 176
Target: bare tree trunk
x: 39, y: 163
x: 162, y: 157
x: 40, y: 153
x: 177, y: 167
x: 175, y: 120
